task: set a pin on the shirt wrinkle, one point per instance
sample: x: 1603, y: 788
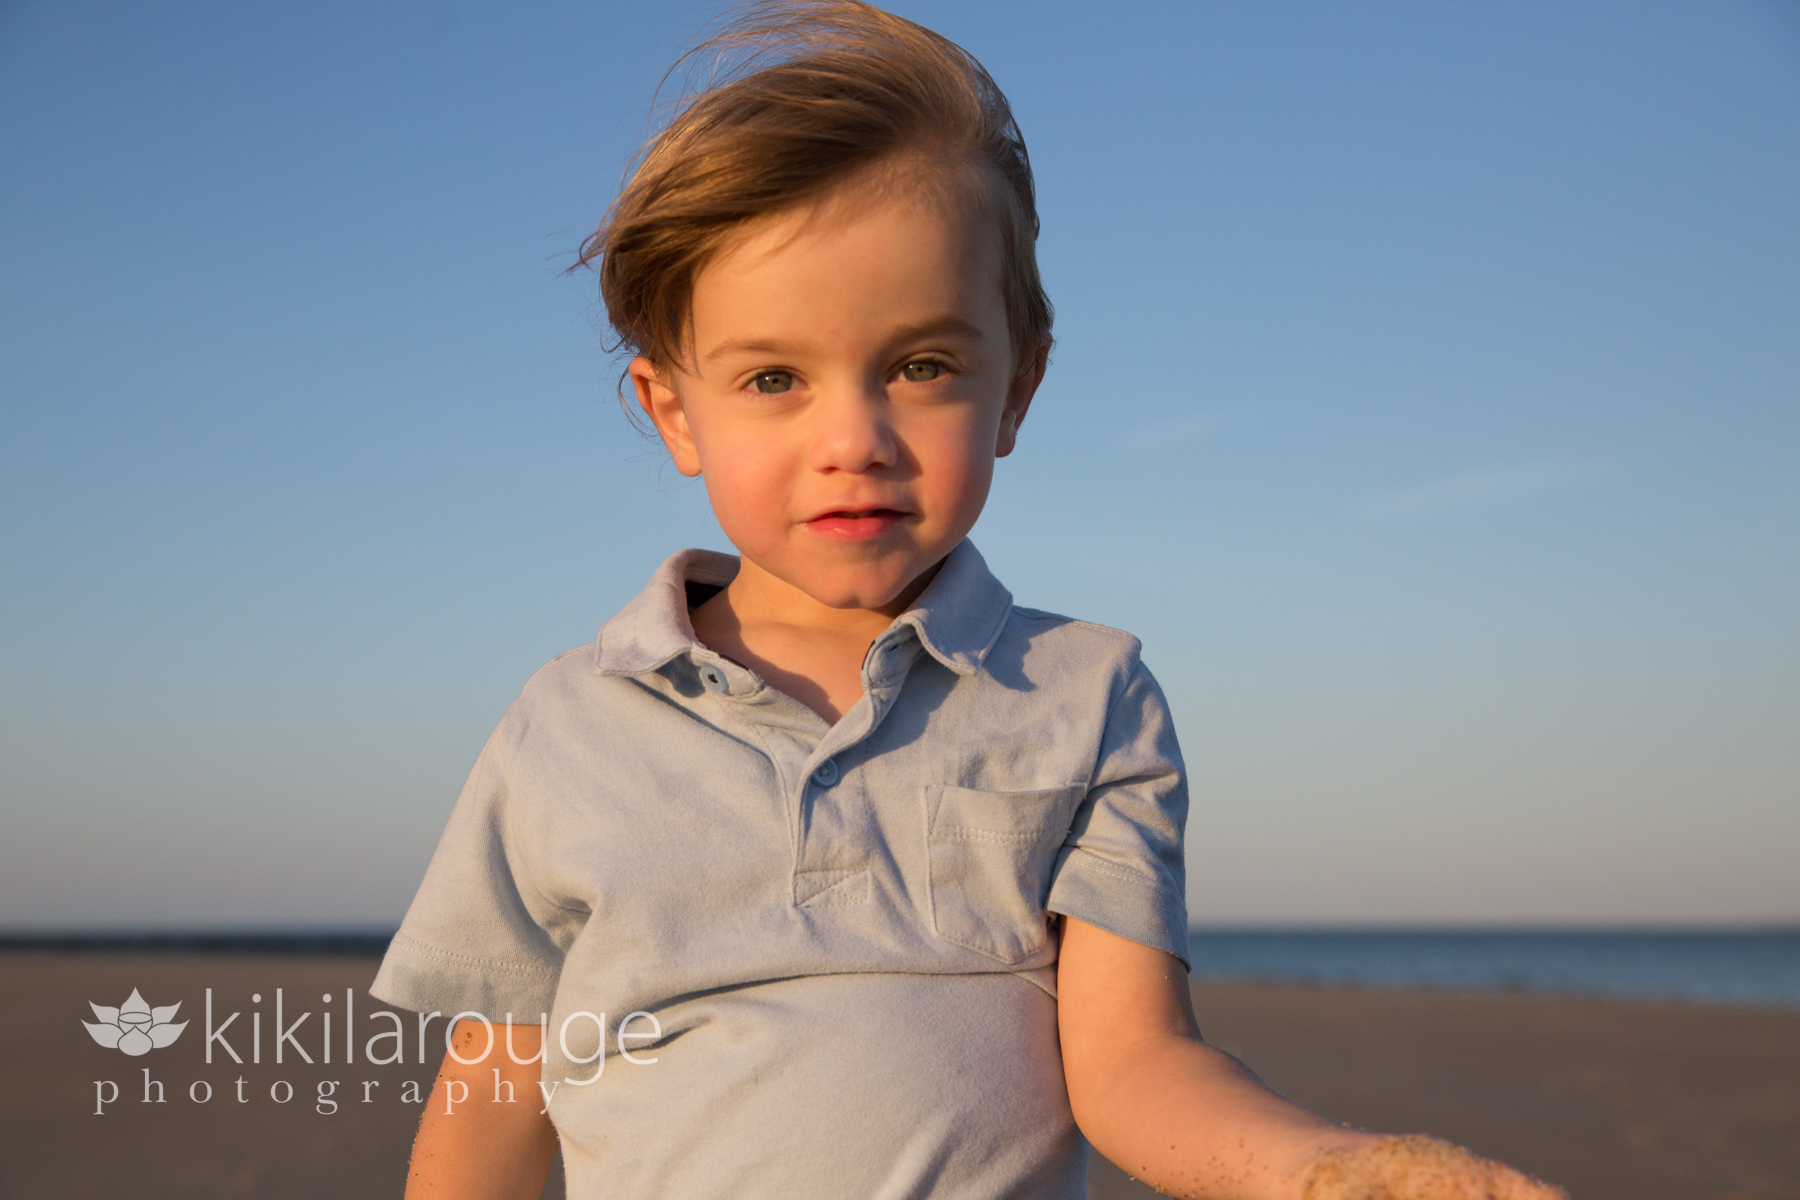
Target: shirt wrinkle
x: 506, y: 817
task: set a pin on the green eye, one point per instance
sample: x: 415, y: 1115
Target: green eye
x: 772, y: 383
x: 923, y: 371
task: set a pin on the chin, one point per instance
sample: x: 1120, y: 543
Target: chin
x: 856, y: 598
x: 835, y: 590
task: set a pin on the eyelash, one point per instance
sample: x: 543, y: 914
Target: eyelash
x: 942, y: 368
x: 762, y: 375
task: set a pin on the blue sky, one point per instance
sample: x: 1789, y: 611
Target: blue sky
x: 1426, y: 398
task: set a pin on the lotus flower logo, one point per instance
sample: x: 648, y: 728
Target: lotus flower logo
x: 134, y: 1026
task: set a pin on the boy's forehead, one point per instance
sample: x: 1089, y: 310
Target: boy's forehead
x: 870, y: 272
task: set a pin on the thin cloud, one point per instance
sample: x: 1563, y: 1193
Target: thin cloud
x: 1487, y: 488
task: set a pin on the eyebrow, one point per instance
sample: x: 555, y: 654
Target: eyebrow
x: 946, y: 326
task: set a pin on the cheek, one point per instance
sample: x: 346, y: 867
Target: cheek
x: 746, y: 490
x: 960, y: 466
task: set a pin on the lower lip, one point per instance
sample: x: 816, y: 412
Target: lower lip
x: 855, y: 529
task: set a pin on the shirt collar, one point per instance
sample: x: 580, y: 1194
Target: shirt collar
x: 654, y: 628
x: 958, y: 618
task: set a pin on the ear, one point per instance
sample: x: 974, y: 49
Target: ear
x: 1018, y: 398
x: 657, y: 396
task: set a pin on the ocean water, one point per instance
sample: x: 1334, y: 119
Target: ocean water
x: 1760, y: 968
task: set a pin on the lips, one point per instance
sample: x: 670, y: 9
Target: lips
x: 856, y: 524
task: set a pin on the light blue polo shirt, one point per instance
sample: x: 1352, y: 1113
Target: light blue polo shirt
x: 841, y: 931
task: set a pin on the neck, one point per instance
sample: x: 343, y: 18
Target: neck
x: 809, y: 650
x: 758, y: 599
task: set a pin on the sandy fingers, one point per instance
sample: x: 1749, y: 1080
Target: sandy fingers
x: 1417, y: 1167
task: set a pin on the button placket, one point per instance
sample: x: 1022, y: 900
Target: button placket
x: 825, y: 847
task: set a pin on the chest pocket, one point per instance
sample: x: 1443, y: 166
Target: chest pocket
x: 991, y: 854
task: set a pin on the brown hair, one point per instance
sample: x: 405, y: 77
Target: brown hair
x: 802, y: 94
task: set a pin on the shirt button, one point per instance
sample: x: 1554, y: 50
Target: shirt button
x: 713, y: 678
x: 826, y: 773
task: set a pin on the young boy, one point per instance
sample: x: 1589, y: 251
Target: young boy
x: 826, y: 871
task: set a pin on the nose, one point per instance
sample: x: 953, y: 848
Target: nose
x: 852, y: 431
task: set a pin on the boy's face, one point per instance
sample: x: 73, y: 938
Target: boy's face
x: 849, y: 384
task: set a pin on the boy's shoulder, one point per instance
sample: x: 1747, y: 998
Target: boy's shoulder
x: 572, y: 670
x: 576, y: 660
x: 1070, y: 635
x: 1068, y: 653
x: 1102, y: 634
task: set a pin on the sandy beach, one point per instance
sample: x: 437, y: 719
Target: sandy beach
x: 1616, y: 1101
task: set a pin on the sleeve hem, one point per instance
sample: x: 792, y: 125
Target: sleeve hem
x: 1143, y: 910
x: 418, y: 976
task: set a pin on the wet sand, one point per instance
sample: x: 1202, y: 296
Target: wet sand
x: 1613, y: 1100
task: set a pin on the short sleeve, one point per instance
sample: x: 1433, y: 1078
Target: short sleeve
x: 479, y: 937
x: 1121, y: 868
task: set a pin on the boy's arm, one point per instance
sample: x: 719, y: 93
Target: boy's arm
x: 1194, y: 1122
x: 471, y: 1148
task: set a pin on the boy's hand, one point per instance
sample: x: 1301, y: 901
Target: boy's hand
x: 1417, y: 1167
